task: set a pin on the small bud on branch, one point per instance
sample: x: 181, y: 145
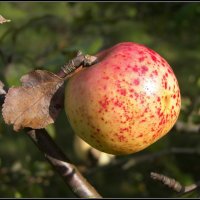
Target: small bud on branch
x: 75, y: 63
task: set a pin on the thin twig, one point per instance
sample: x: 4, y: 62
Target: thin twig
x: 187, y: 127
x: 169, y: 182
x: 152, y: 156
x: 174, y: 184
x: 130, y: 161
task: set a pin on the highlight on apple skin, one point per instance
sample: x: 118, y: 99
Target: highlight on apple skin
x: 125, y: 102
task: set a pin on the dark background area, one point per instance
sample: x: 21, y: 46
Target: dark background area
x: 45, y: 36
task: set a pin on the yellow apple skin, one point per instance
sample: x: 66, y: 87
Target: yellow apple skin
x: 125, y: 102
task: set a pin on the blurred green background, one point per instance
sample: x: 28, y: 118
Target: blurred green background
x: 45, y: 36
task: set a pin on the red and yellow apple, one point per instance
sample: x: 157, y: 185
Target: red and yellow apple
x: 125, y: 102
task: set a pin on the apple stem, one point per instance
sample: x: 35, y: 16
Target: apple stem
x: 79, y: 60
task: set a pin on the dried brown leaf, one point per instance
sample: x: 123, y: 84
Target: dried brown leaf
x: 3, y: 20
x: 36, y: 103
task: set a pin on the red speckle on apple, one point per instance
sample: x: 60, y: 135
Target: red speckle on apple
x: 154, y: 58
x: 136, y: 81
x: 126, y: 101
x: 144, y: 69
x: 141, y: 59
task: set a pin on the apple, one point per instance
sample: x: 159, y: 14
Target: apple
x: 125, y: 102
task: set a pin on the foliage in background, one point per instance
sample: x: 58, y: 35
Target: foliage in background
x: 45, y: 36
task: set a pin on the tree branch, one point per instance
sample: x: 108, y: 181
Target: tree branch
x: 70, y: 174
x: 53, y: 154
x: 62, y: 165
x: 174, y: 184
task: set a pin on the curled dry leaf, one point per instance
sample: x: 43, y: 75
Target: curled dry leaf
x: 36, y: 103
x: 3, y: 20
